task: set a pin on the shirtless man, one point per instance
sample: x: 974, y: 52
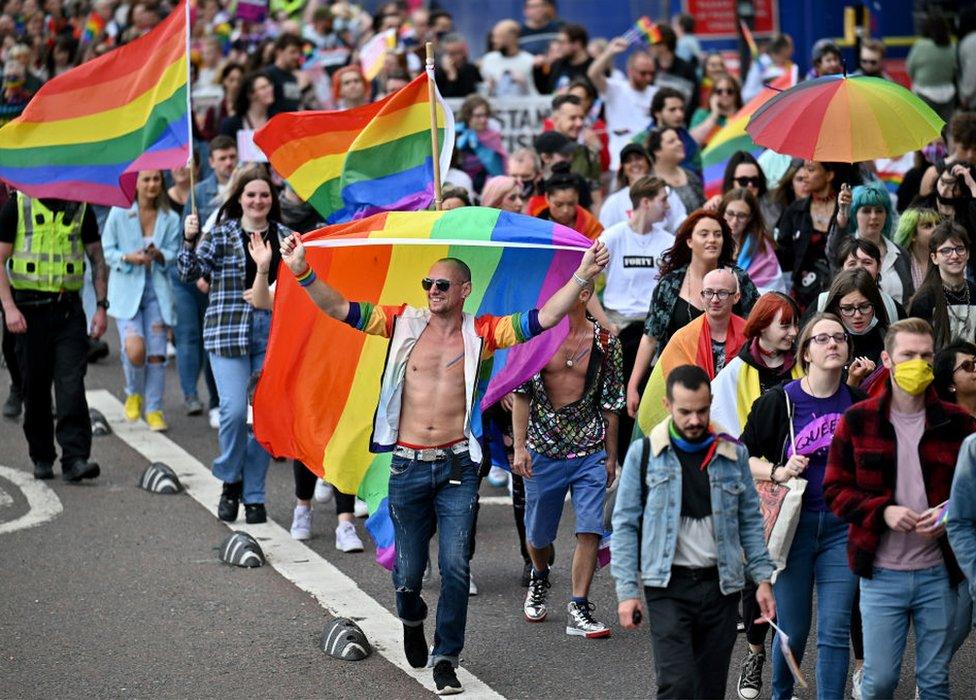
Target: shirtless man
x: 565, y: 435
x: 428, y: 393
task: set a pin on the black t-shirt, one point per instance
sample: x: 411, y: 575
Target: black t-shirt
x: 250, y: 268
x: 287, y: 93
x: 10, y: 218
x: 696, y: 495
x: 563, y: 73
x: 468, y: 77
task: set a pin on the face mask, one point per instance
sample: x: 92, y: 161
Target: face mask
x: 868, y: 329
x: 913, y: 376
x: 934, y: 152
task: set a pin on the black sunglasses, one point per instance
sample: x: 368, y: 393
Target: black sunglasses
x: 966, y: 366
x: 442, y: 285
x: 747, y: 181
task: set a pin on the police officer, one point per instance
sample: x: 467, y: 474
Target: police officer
x: 43, y: 245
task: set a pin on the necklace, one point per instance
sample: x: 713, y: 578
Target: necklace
x: 810, y: 390
x: 575, y: 357
x: 961, y: 321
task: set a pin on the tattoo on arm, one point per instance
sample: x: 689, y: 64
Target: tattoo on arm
x: 99, y: 272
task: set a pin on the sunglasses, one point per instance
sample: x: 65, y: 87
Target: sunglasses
x: 748, y: 181
x: 723, y: 91
x: 966, y: 366
x: 442, y: 285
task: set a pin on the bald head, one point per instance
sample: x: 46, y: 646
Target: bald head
x: 504, y: 36
x: 721, y: 278
x: 720, y: 292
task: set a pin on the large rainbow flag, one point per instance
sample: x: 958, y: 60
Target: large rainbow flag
x: 321, y: 378
x: 356, y: 162
x: 733, y: 137
x: 86, y: 134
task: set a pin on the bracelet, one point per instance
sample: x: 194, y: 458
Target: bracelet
x: 581, y: 281
x: 301, y: 275
x: 308, y: 279
x: 772, y: 472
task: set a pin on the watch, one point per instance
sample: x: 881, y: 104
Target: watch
x: 102, y: 304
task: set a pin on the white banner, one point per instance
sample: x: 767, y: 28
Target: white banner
x: 518, y: 118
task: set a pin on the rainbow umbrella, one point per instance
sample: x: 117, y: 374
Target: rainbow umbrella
x: 845, y: 119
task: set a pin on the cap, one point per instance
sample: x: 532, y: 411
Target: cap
x: 633, y: 149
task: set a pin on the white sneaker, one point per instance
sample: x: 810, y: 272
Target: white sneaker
x: 170, y: 350
x: 856, y: 679
x: 498, y: 477
x: 214, y: 416
x: 301, y: 523
x: 323, y: 492
x: 346, y: 538
x: 472, y: 588
x: 360, y: 510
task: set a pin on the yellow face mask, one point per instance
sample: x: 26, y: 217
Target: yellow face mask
x: 913, y: 376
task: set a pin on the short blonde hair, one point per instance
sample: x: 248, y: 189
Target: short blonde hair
x: 914, y: 326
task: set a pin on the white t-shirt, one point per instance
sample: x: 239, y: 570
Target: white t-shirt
x: 494, y: 66
x: 633, y: 271
x: 617, y: 208
x: 628, y: 113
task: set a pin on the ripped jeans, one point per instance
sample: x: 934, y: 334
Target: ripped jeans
x: 149, y: 377
x: 419, y: 496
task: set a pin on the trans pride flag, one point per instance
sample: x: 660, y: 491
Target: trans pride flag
x: 87, y: 133
x: 352, y: 163
x: 321, y: 378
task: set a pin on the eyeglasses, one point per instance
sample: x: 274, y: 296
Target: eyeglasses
x: 738, y: 216
x: 479, y: 115
x: 949, y: 250
x: 723, y: 91
x: 849, y: 310
x: 442, y: 285
x: 870, y: 61
x: 722, y: 294
x: 748, y: 181
x: 966, y: 366
x: 824, y: 338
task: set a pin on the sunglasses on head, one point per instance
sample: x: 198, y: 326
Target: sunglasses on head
x: 748, y: 181
x: 442, y: 285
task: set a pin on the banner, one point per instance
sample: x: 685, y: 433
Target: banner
x: 519, y: 119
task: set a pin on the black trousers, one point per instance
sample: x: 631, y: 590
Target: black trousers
x: 54, y: 350
x: 693, y: 632
x: 305, y: 488
x: 10, y: 354
x: 755, y: 631
x: 630, y: 337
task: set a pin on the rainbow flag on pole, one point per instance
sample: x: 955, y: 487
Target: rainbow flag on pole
x: 94, y: 26
x: 86, y: 134
x: 373, y: 52
x: 356, y: 162
x: 643, y: 30
x: 733, y: 137
x: 321, y: 378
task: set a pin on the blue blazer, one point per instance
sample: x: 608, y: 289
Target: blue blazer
x: 121, y: 235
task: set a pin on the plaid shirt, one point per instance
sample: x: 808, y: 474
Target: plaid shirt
x: 220, y: 256
x: 862, y: 469
x: 578, y: 428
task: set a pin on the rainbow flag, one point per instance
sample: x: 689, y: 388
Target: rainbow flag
x: 94, y: 26
x: 321, y: 378
x: 356, y: 162
x: 86, y: 134
x: 733, y: 137
x: 373, y: 52
x: 643, y: 30
x: 750, y: 39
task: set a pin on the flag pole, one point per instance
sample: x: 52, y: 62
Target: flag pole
x: 189, y: 113
x: 434, y: 146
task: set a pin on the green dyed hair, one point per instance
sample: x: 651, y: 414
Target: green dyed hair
x: 872, y: 195
x: 909, y: 221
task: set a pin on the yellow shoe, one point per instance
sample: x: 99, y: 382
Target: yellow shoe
x: 133, y: 407
x: 156, y: 421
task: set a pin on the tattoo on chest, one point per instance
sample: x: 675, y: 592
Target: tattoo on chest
x: 455, y: 360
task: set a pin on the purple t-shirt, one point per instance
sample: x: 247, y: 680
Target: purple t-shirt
x: 815, y: 422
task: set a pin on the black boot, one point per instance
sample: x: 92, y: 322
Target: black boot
x: 97, y: 350
x: 230, y: 501
x: 43, y: 470
x: 80, y: 469
x: 255, y: 513
x: 14, y: 403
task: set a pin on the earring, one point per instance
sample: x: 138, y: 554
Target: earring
x: 952, y: 389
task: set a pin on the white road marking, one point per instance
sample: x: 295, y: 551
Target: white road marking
x: 42, y: 503
x: 5, y: 499
x: 301, y: 565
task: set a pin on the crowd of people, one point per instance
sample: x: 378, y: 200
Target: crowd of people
x: 806, y: 326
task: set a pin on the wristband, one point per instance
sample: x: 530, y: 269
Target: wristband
x: 302, y: 275
x: 581, y: 281
x: 309, y: 279
x: 772, y: 472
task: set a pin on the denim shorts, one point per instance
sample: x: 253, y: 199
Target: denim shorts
x: 585, y: 478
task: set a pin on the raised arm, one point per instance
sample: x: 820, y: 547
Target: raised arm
x: 597, y: 72
x: 559, y: 304
x: 261, y: 294
x: 324, y: 296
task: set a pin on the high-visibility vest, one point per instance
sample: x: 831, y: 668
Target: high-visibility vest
x: 48, y: 254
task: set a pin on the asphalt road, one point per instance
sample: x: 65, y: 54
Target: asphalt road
x: 122, y: 594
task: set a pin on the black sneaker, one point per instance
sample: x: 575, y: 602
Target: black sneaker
x: 80, y: 469
x: 415, y: 645
x: 14, y: 403
x: 255, y: 514
x: 43, y: 470
x: 230, y: 501
x: 750, y: 678
x: 445, y: 678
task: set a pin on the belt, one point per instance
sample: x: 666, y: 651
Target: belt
x: 24, y: 297
x: 431, y: 454
x: 709, y: 573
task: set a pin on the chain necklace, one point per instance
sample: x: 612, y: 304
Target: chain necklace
x: 572, y: 359
x: 963, y: 319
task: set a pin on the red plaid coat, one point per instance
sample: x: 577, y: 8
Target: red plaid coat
x: 862, y: 470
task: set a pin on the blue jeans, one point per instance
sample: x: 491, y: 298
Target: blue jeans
x: 419, y: 496
x: 149, y: 378
x: 191, y: 305
x: 241, y: 456
x: 891, y: 600
x: 818, y: 556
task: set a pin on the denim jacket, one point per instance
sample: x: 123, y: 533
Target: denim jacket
x: 961, y: 524
x: 735, y: 514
